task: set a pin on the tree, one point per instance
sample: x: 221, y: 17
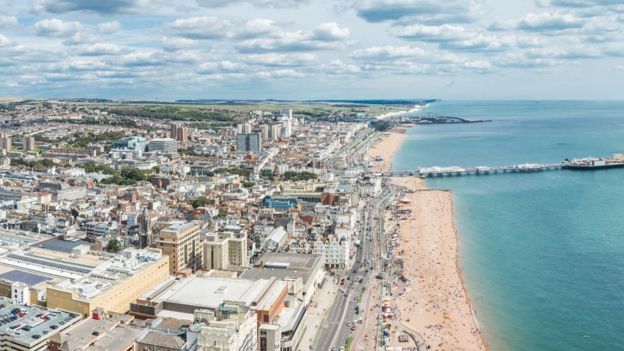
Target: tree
x: 113, y: 246
x: 201, y: 201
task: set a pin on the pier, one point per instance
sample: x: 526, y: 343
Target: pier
x: 455, y: 171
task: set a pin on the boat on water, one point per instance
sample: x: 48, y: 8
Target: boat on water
x: 593, y: 163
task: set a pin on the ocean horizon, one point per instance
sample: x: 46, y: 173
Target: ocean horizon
x: 542, y: 254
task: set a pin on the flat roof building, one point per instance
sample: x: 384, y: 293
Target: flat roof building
x: 163, y: 145
x: 112, y: 285
x: 180, y: 241
x: 97, y: 334
x: 303, y: 272
x: 180, y: 299
x: 29, y: 327
x: 225, y: 251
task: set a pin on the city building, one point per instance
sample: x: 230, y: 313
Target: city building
x: 303, y: 272
x: 231, y: 327
x: 225, y: 251
x: 282, y: 203
x: 166, y: 334
x: 246, y: 128
x: 269, y: 338
x: 182, y: 134
x: 63, y: 191
x: 28, y: 328
x: 173, y: 131
x: 274, y: 131
x: 335, y: 250
x: 6, y: 142
x: 97, y: 333
x: 264, y: 131
x: 29, y: 143
x: 276, y: 239
x: 163, y: 145
x: 180, y: 241
x: 181, y: 298
x: 132, y: 143
x: 112, y: 285
x: 249, y: 143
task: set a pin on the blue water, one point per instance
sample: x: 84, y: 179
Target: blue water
x: 542, y: 253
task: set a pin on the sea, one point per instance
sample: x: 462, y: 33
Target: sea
x: 542, y: 254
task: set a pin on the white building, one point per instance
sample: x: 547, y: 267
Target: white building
x: 164, y: 145
x: 370, y: 186
x: 275, y: 239
x: 334, y: 249
x: 225, y: 251
x: 232, y: 328
x: 20, y: 293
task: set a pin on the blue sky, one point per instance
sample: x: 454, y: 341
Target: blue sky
x: 313, y: 49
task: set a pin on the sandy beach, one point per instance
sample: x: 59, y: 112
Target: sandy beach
x: 387, y: 146
x: 433, y: 302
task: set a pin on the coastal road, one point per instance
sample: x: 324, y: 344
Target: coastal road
x: 351, y: 149
x: 335, y: 328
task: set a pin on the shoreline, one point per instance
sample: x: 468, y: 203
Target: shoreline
x: 448, y: 315
x: 459, y: 270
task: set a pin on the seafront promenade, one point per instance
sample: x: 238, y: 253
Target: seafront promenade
x: 430, y: 301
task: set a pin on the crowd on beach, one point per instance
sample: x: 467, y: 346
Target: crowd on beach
x: 434, y: 302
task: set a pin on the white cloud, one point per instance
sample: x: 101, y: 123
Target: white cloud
x: 279, y: 73
x: 388, y: 52
x: 549, y: 21
x: 257, y: 3
x: 202, y: 27
x: 81, y: 37
x: 421, y: 32
x: 56, y: 28
x: 98, y: 49
x: 330, y: 31
x: 176, y: 43
x: 8, y: 21
x: 221, y: 67
x: 477, y: 43
x: 109, y: 27
x: 274, y: 59
x: 4, y: 40
x: 325, y: 36
x: 257, y: 27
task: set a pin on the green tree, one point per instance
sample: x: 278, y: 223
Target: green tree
x: 113, y: 246
x: 201, y: 201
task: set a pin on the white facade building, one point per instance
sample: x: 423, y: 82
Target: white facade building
x: 234, y: 328
x: 334, y: 249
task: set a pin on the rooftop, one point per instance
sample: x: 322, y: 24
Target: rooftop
x: 210, y: 292
x: 61, y: 245
x: 101, y: 334
x: 179, y: 226
x: 27, y: 278
x: 284, y: 265
x: 32, y: 324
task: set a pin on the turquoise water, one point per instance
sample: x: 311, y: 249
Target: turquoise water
x: 542, y: 253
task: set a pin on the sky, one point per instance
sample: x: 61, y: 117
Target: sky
x: 312, y: 49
